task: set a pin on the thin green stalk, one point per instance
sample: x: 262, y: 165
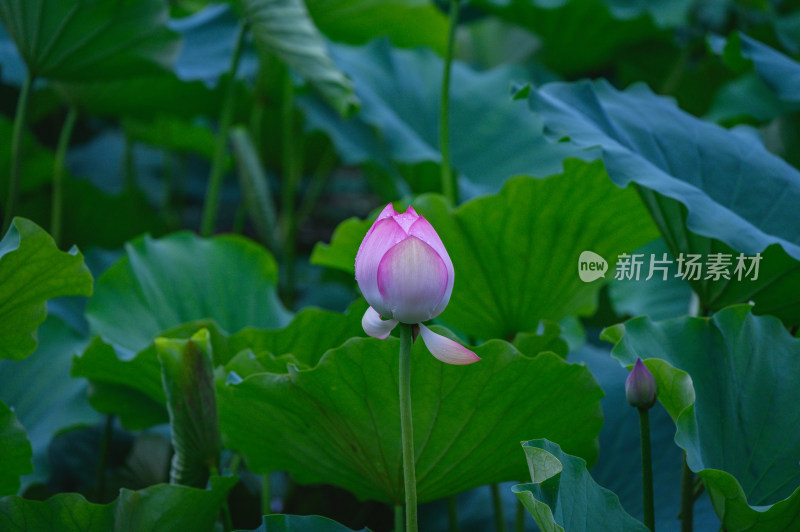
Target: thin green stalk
x: 291, y: 156
x: 58, y: 174
x: 452, y: 513
x: 318, y: 181
x: 448, y: 178
x: 102, y: 461
x: 520, y: 523
x: 647, y: 469
x: 225, y: 120
x: 398, y: 518
x: 407, y: 429
x: 266, y: 495
x: 16, y: 151
x: 227, y: 522
x: 497, y: 506
x: 687, y: 497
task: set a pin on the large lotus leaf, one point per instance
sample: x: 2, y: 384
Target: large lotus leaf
x: 709, y: 189
x: 730, y: 383
x: 656, y: 297
x: 338, y: 422
x: 564, y: 496
x: 209, y: 39
x: 131, y: 387
x: 76, y: 40
x: 15, y: 451
x: 311, y: 332
x: 516, y: 253
x: 779, y: 72
x: 163, y: 283
x: 33, y: 270
x: 44, y: 399
x: 285, y: 29
x: 407, y: 23
x: 159, y: 507
x: 584, y: 35
x: 398, y: 122
x: 300, y: 523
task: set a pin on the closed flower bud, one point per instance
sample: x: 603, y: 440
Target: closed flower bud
x: 640, y: 386
x: 406, y: 275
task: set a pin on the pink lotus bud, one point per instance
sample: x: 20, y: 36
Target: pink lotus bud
x: 640, y: 386
x: 406, y: 275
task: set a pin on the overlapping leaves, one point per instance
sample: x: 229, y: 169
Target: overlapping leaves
x: 729, y: 384
x: 710, y: 190
x: 564, y: 496
x: 160, y: 507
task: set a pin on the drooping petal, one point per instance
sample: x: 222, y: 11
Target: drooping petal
x: 413, y: 279
x: 382, y: 237
x: 445, y: 349
x: 376, y: 327
x: 423, y: 230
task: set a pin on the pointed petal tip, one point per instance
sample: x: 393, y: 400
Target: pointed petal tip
x: 374, y: 326
x: 445, y: 349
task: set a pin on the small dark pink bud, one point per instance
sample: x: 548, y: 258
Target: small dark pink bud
x: 640, y: 386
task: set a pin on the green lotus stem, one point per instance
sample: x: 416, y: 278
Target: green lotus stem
x: 58, y: 174
x: 398, y: 518
x: 647, y: 469
x: 225, y: 120
x: 448, y: 179
x: 497, y: 505
x: 319, y: 179
x: 407, y: 429
x: 266, y: 495
x: 452, y: 513
x: 20, y: 119
x: 687, y: 497
x: 102, y: 461
x: 520, y: 523
x: 227, y: 522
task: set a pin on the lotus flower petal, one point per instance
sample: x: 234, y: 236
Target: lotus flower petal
x: 423, y: 230
x: 412, y: 279
x: 383, y: 235
x: 376, y: 327
x: 445, y: 349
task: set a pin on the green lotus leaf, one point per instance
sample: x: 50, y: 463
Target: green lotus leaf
x: 729, y: 384
x: 397, y: 133
x: 159, y: 507
x: 33, y: 270
x: 162, y: 283
x: 285, y: 29
x: 15, y: 451
x: 710, y: 190
x: 43, y: 398
x: 131, y: 386
x: 565, y: 497
x: 300, y: 523
x: 74, y: 40
x: 338, y: 421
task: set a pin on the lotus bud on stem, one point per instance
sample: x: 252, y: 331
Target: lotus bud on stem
x: 641, y: 391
